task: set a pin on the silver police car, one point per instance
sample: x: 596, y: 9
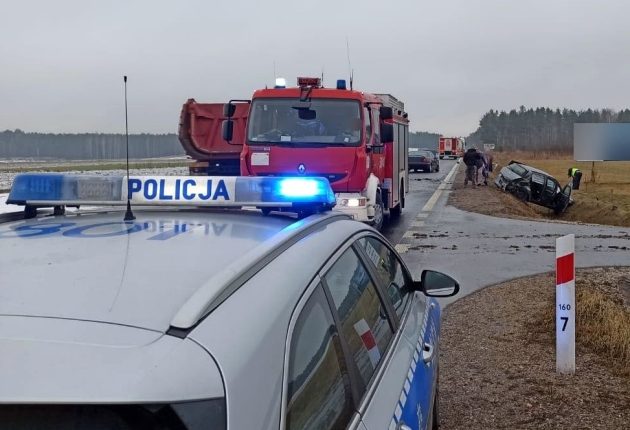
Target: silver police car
x: 194, y: 316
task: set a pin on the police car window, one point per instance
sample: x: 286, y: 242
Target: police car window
x: 389, y: 270
x: 364, y: 322
x: 318, y: 394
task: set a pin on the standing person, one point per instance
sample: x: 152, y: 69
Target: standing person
x: 482, y: 166
x: 470, y: 160
x: 489, y: 161
x: 576, y: 175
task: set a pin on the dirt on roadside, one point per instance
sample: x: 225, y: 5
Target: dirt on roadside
x: 489, y: 200
x: 497, y: 360
x: 599, y: 203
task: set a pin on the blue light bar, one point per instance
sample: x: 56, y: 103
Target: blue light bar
x: 56, y: 188
x: 44, y: 189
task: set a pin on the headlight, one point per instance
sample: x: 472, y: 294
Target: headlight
x: 353, y: 203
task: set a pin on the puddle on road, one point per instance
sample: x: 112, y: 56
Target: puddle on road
x: 427, y: 236
x: 426, y: 179
x: 418, y: 247
x: 622, y: 248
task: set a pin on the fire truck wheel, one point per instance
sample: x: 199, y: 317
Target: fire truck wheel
x: 379, y: 216
x: 396, y: 211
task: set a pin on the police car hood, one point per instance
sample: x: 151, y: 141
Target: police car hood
x: 48, y: 360
x: 95, y: 267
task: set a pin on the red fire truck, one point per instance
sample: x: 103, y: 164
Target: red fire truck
x: 200, y: 135
x: 359, y: 141
x: 451, y: 147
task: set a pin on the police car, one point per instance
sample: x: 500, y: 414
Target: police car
x: 203, y: 314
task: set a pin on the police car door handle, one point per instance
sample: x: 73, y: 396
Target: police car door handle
x: 427, y: 352
x: 402, y: 426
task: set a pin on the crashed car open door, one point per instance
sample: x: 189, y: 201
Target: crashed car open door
x: 546, y: 191
x: 563, y: 200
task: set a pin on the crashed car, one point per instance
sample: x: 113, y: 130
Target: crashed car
x: 535, y: 186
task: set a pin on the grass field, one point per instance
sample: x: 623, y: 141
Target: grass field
x: 604, y: 195
x: 88, y: 166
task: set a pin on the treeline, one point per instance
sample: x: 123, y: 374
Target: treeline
x: 87, y: 146
x: 423, y: 139
x: 537, y: 129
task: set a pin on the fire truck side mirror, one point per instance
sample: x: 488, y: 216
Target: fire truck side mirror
x: 228, y: 110
x: 387, y: 133
x: 227, y: 129
x: 386, y: 113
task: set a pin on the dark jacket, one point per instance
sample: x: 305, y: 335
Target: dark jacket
x: 471, y: 157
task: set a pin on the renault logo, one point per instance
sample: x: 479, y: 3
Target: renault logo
x: 301, y: 169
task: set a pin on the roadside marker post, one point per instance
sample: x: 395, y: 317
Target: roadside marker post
x: 565, y: 304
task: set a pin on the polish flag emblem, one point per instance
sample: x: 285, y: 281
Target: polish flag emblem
x: 369, y: 342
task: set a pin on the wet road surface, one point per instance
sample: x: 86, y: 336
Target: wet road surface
x: 480, y: 250
x: 421, y: 188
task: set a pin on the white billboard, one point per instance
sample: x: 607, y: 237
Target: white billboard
x: 601, y: 141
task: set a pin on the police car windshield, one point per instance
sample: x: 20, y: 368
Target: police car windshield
x: 319, y: 121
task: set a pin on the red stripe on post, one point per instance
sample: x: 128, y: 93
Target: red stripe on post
x: 565, y: 269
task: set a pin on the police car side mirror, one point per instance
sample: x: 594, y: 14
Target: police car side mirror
x: 227, y: 130
x: 437, y: 284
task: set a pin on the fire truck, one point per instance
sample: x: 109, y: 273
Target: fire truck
x: 200, y: 135
x: 451, y: 147
x: 358, y: 141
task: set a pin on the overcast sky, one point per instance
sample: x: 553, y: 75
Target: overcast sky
x: 62, y: 61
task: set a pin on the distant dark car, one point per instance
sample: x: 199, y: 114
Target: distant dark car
x: 533, y: 185
x: 436, y: 153
x: 424, y: 160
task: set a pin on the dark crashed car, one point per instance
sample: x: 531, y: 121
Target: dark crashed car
x: 535, y: 186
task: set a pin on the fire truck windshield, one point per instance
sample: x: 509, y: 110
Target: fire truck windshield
x: 318, y: 121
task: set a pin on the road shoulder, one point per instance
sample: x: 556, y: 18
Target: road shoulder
x: 498, y: 362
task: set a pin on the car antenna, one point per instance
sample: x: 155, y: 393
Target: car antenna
x: 350, y: 69
x: 128, y: 214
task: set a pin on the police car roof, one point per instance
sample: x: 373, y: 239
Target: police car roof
x: 167, y: 268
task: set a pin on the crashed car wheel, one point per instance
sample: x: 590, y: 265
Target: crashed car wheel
x: 521, y: 194
x: 560, y: 208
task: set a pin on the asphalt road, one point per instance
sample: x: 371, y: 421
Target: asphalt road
x: 480, y: 250
x: 421, y: 188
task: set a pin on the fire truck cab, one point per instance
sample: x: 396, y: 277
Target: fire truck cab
x: 358, y: 141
